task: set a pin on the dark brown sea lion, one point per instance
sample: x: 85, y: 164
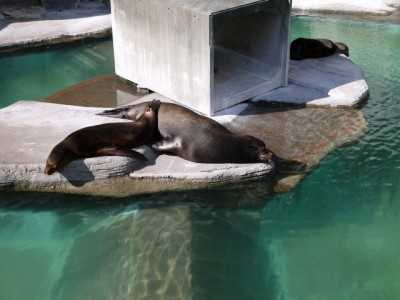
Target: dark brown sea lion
x: 197, y: 138
x: 114, y: 139
x: 303, y: 48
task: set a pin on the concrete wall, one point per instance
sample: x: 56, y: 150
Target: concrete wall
x: 163, y: 48
x: 206, y: 55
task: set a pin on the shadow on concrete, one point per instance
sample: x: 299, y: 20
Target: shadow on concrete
x: 3, y: 24
x: 263, y: 108
x: 77, y: 173
x: 151, y: 156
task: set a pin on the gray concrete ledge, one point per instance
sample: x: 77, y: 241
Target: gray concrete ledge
x: 369, y: 7
x: 32, y: 129
x: 66, y: 26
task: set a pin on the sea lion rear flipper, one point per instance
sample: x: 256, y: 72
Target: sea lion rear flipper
x: 112, y: 151
x: 125, y: 112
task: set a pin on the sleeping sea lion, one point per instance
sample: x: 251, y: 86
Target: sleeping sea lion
x: 303, y: 48
x: 114, y: 139
x: 197, y: 138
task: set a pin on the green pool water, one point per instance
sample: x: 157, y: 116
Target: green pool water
x: 35, y: 74
x: 336, y: 236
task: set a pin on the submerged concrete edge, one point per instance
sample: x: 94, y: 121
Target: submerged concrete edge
x: 30, y: 178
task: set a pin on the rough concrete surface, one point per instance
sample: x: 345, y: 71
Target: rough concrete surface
x: 305, y: 135
x: 101, y: 91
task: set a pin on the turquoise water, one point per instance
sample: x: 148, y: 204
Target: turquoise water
x: 334, y: 237
x: 35, y: 74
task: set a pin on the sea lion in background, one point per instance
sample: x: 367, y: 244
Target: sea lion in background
x: 303, y: 48
x: 197, y: 138
x: 114, y: 139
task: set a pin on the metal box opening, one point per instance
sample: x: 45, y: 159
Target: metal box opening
x: 249, y: 57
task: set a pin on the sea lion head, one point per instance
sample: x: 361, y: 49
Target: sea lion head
x: 342, y: 48
x: 258, y: 150
x: 136, y: 113
x: 57, y: 159
x: 151, y: 110
x: 51, y: 165
x: 150, y: 114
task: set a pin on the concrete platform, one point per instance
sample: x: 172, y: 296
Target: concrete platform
x: 32, y: 129
x: 372, y: 7
x: 333, y: 81
x: 56, y: 27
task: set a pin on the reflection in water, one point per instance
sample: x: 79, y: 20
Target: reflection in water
x: 142, y: 254
x: 124, y: 249
x: 333, y: 237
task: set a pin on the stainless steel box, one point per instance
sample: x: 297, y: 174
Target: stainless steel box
x: 205, y: 54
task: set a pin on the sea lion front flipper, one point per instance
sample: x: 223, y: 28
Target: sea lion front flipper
x: 114, y: 151
x: 172, y: 145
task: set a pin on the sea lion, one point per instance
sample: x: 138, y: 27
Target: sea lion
x: 197, y: 138
x: 303, y: 48
x: 115, y: 139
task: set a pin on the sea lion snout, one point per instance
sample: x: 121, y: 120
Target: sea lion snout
x: 259, y: 150
x: 56, y: 160
x: 48, y: 170
x: 342, y: 48
x: 265, y: 156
